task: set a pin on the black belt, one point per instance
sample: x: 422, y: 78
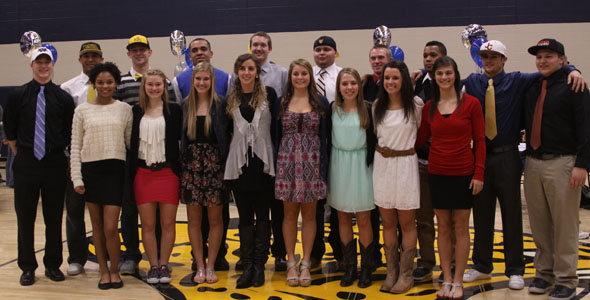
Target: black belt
x: 154, y: 167
x: 500, y: 149
x: 546, y: 156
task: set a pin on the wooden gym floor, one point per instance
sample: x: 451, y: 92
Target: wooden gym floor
x: 325, y: 283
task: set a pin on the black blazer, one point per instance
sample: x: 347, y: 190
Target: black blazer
x: 370, y: 132
x: 220, y: 124
x: 173, y: 119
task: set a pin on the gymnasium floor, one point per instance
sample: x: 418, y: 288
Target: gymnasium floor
x: 325, y: 284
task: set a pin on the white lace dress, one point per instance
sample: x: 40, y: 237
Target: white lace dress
x: 396, y: 181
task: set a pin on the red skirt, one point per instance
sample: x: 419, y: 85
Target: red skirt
x: 156, y: 186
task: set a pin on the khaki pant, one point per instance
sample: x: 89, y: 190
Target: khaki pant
x: 553, y: 215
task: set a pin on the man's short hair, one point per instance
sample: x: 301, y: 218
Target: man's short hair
x: 264, y: 35
x: 199, y: 39
x: 384, y: 47
x: 441, y: 46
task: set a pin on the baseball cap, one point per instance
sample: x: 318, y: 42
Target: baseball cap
x: 550, y: 44
x: 325, y: 41
x: 494, y: 46
x: 90, y: 47
x: 138, y: 40
x: 41, y: 51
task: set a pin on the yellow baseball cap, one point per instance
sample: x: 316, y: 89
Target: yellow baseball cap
x: 138, y: 40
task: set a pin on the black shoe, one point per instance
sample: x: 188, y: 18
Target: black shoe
x: 104, y: 286
x: 55, y: 274
x: 221, y: 264
x: 540, y: 286
x: 561, y: 292
x: 422, y: 273
x: 314, y: 263
x: 280, y: 264
x: 27, y: 278
x: 117, y: 285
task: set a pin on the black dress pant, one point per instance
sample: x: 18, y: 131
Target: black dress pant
x: 75, y: 226
x: 31, y: 178
x: 501, y: 181
x: 319, y: 247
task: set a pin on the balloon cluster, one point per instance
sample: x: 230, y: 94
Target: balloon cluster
x: 178, y: 48
x: 473, y: 36
x: 382, y: 36
x: 30, y: 41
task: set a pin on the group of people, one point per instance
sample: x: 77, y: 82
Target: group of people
x: 393, y: 148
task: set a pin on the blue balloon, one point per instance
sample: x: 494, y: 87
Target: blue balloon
x: 475, y: 46
x: 187, y: 58
x: 52, y: 49
x: 397, y: 53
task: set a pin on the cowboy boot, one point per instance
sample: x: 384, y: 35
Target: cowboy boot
x: 367, y: 261
x: 350, y: 261
x: 405, y: 280
x: 392, y: 261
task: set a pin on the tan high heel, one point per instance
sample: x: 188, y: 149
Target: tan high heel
x: 304, y: 281
x: 292, y: 280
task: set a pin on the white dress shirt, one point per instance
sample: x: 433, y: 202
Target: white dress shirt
x: 77, y: 87
x: 329, y: 79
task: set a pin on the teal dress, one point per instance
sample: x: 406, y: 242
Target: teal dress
x: 350, y: 181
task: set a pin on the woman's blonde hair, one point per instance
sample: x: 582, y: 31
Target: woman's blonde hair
x: 191, y: 105
x: 259, y: 92
x: 361, y: 108
x: 143, y: 97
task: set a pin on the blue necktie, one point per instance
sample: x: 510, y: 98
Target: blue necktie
x: 39, y: 140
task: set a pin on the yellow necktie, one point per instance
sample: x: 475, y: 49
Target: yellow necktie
x: 91, y: 93
x: 491, y: 129
x: 137, y: 76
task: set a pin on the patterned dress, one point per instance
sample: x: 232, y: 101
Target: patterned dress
x: 202, y: 171
x: 298, y: 161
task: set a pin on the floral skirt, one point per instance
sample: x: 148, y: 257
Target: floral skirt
x: 202, y: 176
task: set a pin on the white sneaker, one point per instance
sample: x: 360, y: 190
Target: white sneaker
x: 473, y: 275
x: 128, y: 267
x: 75, y: 269
x: 583, y: 235
x: 516, y: 282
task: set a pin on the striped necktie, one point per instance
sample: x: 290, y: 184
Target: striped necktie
x: 138, y: 76
x: 321, y: 84
x: 39, y: 139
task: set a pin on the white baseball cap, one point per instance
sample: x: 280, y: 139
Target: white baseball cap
x: 494, y: 46
x: 41, y: 51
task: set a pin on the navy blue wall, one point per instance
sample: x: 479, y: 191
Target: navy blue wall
x: 63, y: 20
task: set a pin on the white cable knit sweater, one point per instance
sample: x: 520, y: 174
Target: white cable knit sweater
x: 99, y: 132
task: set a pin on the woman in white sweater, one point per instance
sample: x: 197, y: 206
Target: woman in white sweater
x: 101, y: 130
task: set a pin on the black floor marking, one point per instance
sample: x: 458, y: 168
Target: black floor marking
x: 305, y: 297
